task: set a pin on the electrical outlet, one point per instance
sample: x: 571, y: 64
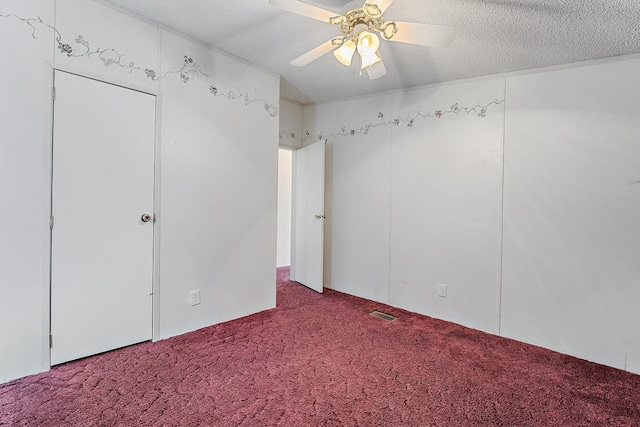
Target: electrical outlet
x: 442, y: 290
x: 195, y: 297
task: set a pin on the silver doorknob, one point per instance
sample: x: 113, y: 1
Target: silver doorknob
x: 145, y: 218
x: 320, y: 216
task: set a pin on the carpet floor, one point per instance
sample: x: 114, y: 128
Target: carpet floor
x: 322, y: 360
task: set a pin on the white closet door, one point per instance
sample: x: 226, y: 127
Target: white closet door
x: 102, y: 248
x: 307, y: 260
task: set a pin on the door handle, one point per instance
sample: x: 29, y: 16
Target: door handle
x: 145, y: 218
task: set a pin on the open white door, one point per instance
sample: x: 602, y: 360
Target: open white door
x: 308, y: 217
x: 102, y: 242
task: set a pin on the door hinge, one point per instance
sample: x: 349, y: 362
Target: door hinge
x: 51, y: 222
x: 53, y: 93
x: 50, y: 341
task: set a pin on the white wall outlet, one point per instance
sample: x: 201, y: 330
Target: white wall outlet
x: 442, y: 290
x: 195, y: 297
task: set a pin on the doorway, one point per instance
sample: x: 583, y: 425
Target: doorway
x: 102, y: 217
x: 303, y: 179
x: 285, y: 179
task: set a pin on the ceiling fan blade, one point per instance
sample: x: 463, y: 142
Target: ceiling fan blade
x: 382, y: 4
x: 424, y: 34
x: 304, y: 9
x: 314, y: 54
x: 377, y: 70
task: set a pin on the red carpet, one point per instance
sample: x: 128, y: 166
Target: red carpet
x: 321, y: 360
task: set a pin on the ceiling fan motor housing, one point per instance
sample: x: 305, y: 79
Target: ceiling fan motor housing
x: 369, y: 15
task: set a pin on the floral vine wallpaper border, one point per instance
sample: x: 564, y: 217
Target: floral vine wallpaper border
x: 480, y: 110
x: 189, y: 71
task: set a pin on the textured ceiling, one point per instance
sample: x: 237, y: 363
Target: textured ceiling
x: 494, y: 36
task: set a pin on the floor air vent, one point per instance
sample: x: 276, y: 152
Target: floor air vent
x: 383, y: 316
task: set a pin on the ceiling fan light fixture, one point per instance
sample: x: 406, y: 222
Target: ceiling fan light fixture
x: 368, y: 44
x: 362, y: 27
x: 345, y: 53
x: 369, y: 59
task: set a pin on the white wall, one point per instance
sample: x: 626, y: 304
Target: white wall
x: 219, y: 192
x: 285, y: 170
x: 446, y: 184
x: 552, y: 259
x: 109, y: 34
x: 218, y: 177
x: 357, y: 191
x: 24, y: 209
x: 571, y: 277
x: 290, y: 124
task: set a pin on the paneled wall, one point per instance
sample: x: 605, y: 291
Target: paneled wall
x: 520, y: 194
x: 24, y: 188
x: 217, y: 176
x: 219, y: 192
x: 357, y: 193
x: 571, y: 276
x: 446, y: 184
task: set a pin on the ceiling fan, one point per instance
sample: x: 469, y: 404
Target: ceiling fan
x: 360, y: 29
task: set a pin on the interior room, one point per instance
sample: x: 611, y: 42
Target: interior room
x: 478, y: 166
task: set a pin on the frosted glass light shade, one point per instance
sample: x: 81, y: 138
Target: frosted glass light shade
x: 368, y: 59
x: 368, y: 44
x: 344, y: 53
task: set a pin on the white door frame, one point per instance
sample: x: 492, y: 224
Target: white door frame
x: 47, y: 205
x: 294, y: 186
